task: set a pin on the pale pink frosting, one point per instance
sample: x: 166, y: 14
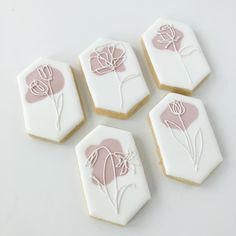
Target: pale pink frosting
x: 170, y: 34
x: 99, y: 58
x: 114, y: 146
x: 190, y: 114
x: 57, y: 84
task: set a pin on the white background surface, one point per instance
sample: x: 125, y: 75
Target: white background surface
x: 40, y: 187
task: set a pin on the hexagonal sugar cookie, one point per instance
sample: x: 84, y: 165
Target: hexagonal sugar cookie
x: 50, y: 100
x: 174, y: 55
x: 186, y: 141
x: 114, y: 78
x: 112, y: 175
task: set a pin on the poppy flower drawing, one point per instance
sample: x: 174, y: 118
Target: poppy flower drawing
x: 109, y: 163
x: 44, y: 83
x: 178, y: 117
x: 110, y: 58
x: 170, y: 38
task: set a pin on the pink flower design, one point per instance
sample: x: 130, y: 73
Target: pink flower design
x: 179, y: 116
x: 99, y: 154
x: 187, y: 111
x: 124, y: 162
x: 39, y: 88
x: 57, y: 83
x: 110, y: 59
x: 44, y: 82
x: 169, y: 38
x: 108, y: 162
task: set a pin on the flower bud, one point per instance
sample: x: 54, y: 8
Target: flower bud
x: 45, y: 72
x: 177, y: 107
x: 38, y: 88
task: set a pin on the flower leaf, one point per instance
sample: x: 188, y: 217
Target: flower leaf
x: 59, y: 103
x: 177, y: 134
x: 121, y: 192
x: 188, y: 50
x: 198, y: 145
x: 129, y: 77
x: 101, y: 187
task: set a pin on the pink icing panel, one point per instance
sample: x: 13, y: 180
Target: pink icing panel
x: 171, y: 36
x: 57, y: 84
x: 98, y: 60
x: 114, y: 146
x: 190, y: 114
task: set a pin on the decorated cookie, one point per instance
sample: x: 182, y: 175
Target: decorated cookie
x: 114, y: 78
x: 175, y: 56
x: 112, y: 175
x: 50, y: 101
x: 186, y: 141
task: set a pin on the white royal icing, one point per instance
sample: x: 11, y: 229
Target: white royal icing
x: 113, y: 89
x: 187, y: 143
x: 50, y: 101
x: 175, y: 54
x: 112, y: 175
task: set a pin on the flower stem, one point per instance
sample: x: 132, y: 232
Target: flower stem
x: 181, y: 61
x: 190, y: 146
x: 120, y: 88
x: 114, y: 203
x: 55, y: 105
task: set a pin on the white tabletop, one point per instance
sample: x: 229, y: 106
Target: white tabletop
x: 40, y: 186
